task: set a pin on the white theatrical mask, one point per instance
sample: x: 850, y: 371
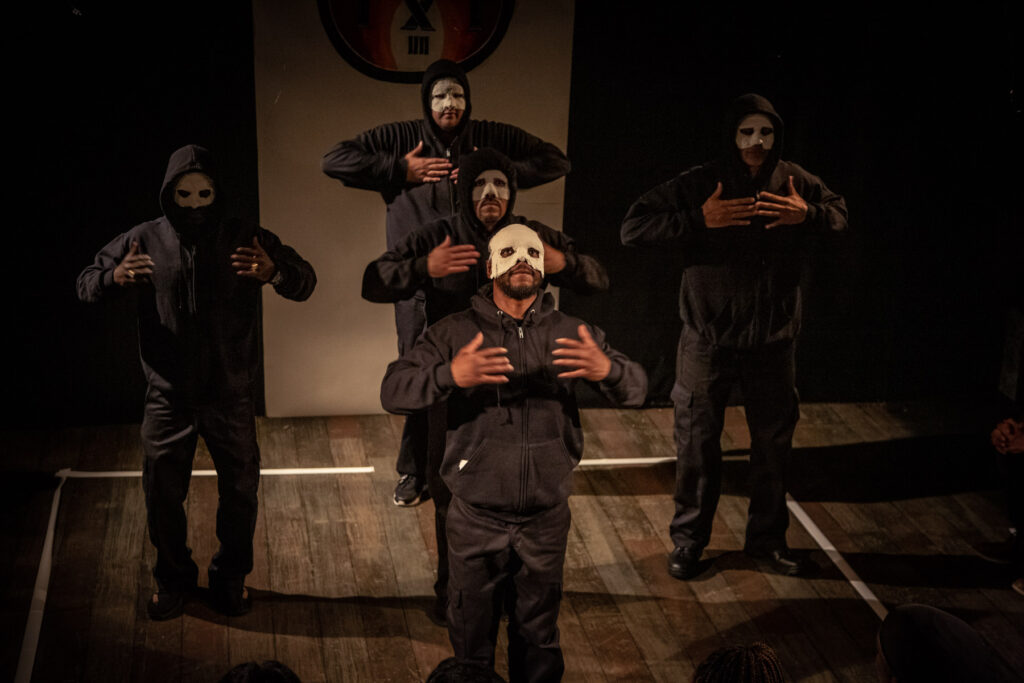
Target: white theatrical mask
x: 194, y: 191
x: 491, y: 183
x: 447, y: 93
x: 512, y: 244
x: 755, y: 129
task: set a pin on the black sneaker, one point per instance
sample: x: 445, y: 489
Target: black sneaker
x: 684, y: 563
x: 410, y: 491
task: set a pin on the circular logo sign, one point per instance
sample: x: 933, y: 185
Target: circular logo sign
x: 395, y: 40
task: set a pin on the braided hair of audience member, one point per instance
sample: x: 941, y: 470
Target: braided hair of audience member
x: 756, y: 663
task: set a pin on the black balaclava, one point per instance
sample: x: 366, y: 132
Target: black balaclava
x: 444, y: 68
x: 473, y: 165
x: 741, y: 107
x: 924, y: 644
x: 190, y: 224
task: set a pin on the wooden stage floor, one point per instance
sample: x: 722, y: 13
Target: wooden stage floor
x: 342, y: 581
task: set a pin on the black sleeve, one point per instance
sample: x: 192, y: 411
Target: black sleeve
x: 398, y: 273
x: 298, y: 280
x: 536, y: 162
x: 826, y: 210
x: 582, y: 274
x: 94, y: 282
x: 626, y: 383
x: 375, y: 159
x: 422, y: 376
x: 669, y: 214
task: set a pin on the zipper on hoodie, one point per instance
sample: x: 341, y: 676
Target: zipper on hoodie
x: 451, y: 185
x: 525, y: 420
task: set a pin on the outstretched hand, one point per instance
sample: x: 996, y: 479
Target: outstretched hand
x: 724, y: 213
x: 425, y: 169
x: 790, y: 209
x: 584, y: 355
x: 473, y: 366
x: 135, y: 268
x: 447, y: 258
x: 253, y: 262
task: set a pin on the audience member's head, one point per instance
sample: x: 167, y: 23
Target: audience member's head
x: 755, y: 663
x: 450, y: 671
x: 921, y: 643
x: 270, y: 671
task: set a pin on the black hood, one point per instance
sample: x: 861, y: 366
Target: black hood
x: 444, y: 68
x: 189, y: 159
x: 742, y: 106
x: 470, y: 167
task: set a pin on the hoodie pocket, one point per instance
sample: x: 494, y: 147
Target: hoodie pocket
x: 489, y: 477
x: 496, y: 476
x: 549, y: 474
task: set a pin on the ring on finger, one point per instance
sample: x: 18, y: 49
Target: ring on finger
x: 255, y: 266
x: 131, y: 274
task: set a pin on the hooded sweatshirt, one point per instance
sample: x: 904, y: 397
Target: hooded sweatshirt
x: 375, y: 159
x: 510, y: 448
x: 402, y: 270
x: 740, y: 284
x: 197, y: 318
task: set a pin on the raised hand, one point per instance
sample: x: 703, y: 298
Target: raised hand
x: 554, y: 260
x: 134, y: 268
x: 425, y: 169
x: 787, y: 210
x: 724, y: 213
x: 253, y: 262
x: 584, y: 355
x: 447, y: 258
x: 473, y: 366
x: 1008, y: 437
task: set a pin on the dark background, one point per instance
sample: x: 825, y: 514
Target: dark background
x: 913, y: 117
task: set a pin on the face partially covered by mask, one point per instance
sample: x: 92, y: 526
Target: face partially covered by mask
x: 512, y: 245
x: 754, y: 137
x: 490, y: 197
x: 447, y: 102
x: 194, y: 191
x: 755, y: 129
x: 194, y: 195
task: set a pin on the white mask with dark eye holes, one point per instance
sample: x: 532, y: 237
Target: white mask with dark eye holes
x: 492, y: 183
x: 755, y: 129
x: 512, y: 244
x: 447, y: 93
x: 194, y: 191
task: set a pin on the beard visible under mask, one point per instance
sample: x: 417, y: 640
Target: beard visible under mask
x: 192, y: 224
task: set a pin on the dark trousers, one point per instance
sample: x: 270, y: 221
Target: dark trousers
x: 499, y: 562
x: 410, y: 321
x: 170, y: 430
x: 437, y: 418
x: 705, y: 375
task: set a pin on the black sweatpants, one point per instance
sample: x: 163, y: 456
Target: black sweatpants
x: 705, y: 375
x: 500, y: 561
x: 170, y: 430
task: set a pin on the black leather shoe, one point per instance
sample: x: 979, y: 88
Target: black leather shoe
x: 785, y: 562
x: 231, y: 603
x: 166, y: 604
x: 684, y: 563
